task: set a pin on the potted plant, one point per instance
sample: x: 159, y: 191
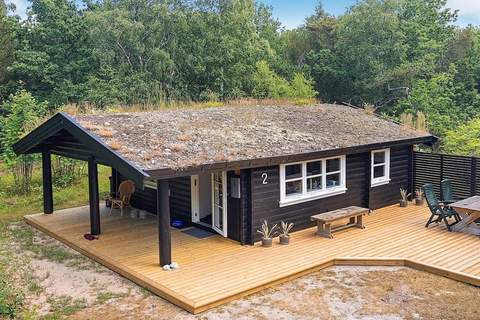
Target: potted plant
x: 284, y: 233
x: 404, y: 197
x: 419, y: 197
x: 267, y: 234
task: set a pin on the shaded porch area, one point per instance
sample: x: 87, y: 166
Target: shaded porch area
x: 215, y: 270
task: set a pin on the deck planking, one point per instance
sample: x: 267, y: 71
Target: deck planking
x: 216, y: 270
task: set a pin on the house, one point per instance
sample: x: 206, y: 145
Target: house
x: 228, y: 169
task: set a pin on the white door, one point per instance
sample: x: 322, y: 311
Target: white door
x: 219, y: 202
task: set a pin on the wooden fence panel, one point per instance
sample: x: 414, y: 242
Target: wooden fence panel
x: 462, y: 171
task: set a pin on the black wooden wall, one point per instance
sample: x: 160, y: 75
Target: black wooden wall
x: 234, y: 219
x: 401, y: 175
x: 180, y: 203
x: 266, y: 197
x: 180, y: 199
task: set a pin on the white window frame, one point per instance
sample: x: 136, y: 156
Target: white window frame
x: 386, y: 178
x: 312, y: 195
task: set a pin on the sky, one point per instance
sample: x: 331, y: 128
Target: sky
x: 292, y: 13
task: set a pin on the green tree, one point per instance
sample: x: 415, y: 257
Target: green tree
x: 6, y: 46
x: 53, y: 56
x: 464, y: 140
x: 267, y: 84
x: 302, y: 87
x: 436, y: 99
x: 24, y: 112
x: 8, y: 25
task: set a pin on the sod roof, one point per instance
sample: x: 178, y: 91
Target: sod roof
x: 181, y: 138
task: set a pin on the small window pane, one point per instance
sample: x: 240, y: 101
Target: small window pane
x: 293, y: 171
x: 333, y: 180
x: 314, y: 184
x: 379, y: 157
x: 379, y: 171
x: 293, y: 187
x: 333, y: 165
x: 314, y: 168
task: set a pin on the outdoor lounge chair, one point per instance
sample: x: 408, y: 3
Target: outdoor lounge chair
x: 122, y: 198
x: 447, y: 191
x: 440, y: 211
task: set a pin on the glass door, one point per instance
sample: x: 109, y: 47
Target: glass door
x: 219, y: 202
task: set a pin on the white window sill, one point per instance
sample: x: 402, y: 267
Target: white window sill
x: 305, y: 198
x: 380, y: 182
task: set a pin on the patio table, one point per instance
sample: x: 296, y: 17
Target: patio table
x: 469, y: 210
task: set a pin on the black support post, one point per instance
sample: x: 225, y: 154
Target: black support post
x: 114, y: 182
x: 93, y: 197
x: 47, y: 182
x: 411, y: 172
x: 163, y: 216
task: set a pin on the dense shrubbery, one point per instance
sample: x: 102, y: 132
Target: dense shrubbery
x: 401, y: 56
x: 24, y: 112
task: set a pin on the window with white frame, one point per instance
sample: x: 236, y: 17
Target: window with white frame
x: 380, y: 167
x: 309, y: 180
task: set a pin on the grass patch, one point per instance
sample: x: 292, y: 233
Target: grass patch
x: 105, y: 296
x: 11, y: 299
x: 64, y: 306
x: 16, y: 279
x: 13, y: 206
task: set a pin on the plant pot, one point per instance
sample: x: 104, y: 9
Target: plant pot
x: 266, y: 242
x: 284, y: 239
x: 403, y: 203
x: 419, y: 202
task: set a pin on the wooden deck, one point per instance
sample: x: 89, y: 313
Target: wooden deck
x: 216, y: 270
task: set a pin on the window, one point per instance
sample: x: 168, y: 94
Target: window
x: 309, y: 180
x: 380, y: 167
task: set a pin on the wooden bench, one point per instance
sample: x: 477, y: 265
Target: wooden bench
x: 325, y: 220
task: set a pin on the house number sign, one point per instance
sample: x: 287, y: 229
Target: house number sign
x: 264, y: 178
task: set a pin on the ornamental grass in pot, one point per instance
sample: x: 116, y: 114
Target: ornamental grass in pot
x: 285, y: 232
x: 404, y: 197
x: 267, y: 234
x: 419, y: 197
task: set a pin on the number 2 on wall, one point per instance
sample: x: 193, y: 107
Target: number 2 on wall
x: 264, y: 178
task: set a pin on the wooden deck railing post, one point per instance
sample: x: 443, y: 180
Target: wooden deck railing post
x: 93, y: 196
x: 441, y: 171
x: 473, y: 176
x: 47, y: 182
x: 411, y: 172
x: 163, y: 217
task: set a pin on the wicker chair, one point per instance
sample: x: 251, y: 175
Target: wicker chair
x: 122, y: 198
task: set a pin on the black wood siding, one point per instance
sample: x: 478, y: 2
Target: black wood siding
x: 400, y: 171
x: 180, y: 199
x: 145, y: 199
x: 246, y: 206
x: 266, y: 197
